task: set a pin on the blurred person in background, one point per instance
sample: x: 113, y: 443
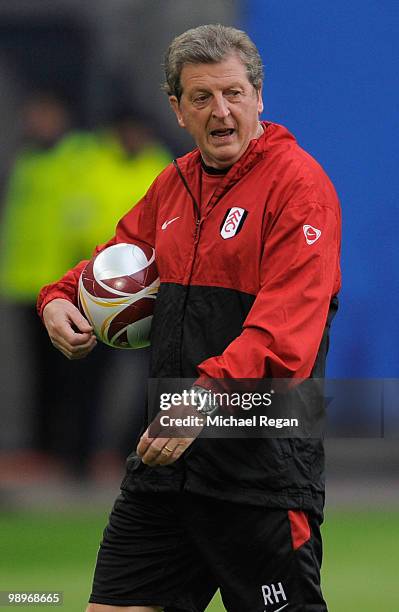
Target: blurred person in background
x: 31, y: 214
x: 67, y: 189
x: 128, y: 156
x: 32, y: 250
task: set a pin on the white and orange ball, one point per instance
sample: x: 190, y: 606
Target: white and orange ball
x: 117, y: 292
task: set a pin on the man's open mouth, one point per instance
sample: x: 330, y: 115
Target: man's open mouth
x: 222, y: 132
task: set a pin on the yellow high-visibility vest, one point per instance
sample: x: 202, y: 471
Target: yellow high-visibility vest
x: 61, y: 202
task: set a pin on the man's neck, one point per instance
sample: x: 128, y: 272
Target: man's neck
x: 212, y: 170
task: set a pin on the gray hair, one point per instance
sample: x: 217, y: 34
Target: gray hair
x: 209, y: 44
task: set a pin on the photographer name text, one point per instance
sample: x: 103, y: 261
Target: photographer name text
x: 227, y: 421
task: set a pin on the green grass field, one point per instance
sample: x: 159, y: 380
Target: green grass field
x: 57, y: 552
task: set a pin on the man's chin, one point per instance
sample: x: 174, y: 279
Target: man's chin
x: 222, y: 157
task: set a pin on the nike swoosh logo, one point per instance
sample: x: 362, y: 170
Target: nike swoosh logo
x: 282, y: 608
x: 166, y: 223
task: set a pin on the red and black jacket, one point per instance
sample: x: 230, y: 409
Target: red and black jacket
x: 248, y: 290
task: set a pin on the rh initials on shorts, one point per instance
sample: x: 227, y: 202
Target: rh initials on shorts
x: 274, y: 594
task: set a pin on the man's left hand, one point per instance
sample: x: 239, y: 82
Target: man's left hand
x: 163, y: 445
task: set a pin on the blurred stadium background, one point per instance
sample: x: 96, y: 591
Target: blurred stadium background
x: 93, y: 71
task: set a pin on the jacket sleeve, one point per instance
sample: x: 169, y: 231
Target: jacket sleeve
x: 138, y: 224
x: 299, y: 274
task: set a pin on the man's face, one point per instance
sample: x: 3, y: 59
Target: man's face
x: 219, y: 108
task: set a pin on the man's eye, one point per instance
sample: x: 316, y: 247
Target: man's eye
x: 233, y: 93
x: 200, y: 99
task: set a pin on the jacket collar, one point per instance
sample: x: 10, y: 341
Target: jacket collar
x: 190, y: 164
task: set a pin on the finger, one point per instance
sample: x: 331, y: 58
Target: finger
x: 71, y: 356
x: 178, y: 450
x: 86, y: 346
x: 78, y: 340
x: 80, y: 322
x: 81, y: 353
x: 143, y: 444
x: 60, y: 341
x: 65, y: 335
x: 147, y: 440
x: 151, y: 455
x: 69, y: 339
x: 167, y: 452
x: 74, y: 352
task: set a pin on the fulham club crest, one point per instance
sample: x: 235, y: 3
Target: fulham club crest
x: 233, y: 222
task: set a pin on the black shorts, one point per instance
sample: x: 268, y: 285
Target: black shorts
x: 176, y: 550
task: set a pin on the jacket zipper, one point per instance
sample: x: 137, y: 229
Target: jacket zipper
x: 197, y: 210
x: 197, y: 216
x: 197, y: 226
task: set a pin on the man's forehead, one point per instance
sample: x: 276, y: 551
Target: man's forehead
x: 229, y: 69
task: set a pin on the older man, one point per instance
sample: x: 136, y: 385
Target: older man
x: 246, y: 229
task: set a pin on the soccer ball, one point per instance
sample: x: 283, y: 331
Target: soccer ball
x: 117, y: 292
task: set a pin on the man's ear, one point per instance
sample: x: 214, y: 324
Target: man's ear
x: 174, y: 102
x: 260, y: 100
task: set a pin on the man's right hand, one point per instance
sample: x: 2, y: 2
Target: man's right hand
x: 69, y: 331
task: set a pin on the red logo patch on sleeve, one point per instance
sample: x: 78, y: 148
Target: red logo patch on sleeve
x: 311, y: 233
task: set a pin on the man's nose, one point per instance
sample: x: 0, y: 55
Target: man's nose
x: 220, y: 108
